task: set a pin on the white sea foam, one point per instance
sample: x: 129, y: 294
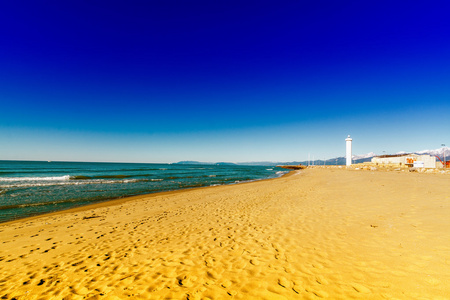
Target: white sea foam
x: 55, y: 178
x: 71, y: 182
x: 281, y: 173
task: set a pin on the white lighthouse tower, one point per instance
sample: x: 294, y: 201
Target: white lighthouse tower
x: 348, y: 152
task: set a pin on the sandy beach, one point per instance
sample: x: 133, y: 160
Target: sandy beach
x: 316, y: 233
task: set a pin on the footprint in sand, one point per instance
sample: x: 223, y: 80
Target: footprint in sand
x: 298, y: 286
x: 186, y: 281
x: 282, y: 281
x: 360, y: 288
x: 318, y: 293
x: 432, y: 281
x: 321, y: 280
x: 226, y: 283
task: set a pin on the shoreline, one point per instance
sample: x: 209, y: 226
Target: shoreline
x: 328, y: 233
x: 124, y: 199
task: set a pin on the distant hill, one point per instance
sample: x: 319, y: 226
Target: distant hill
x: 356, y: 159
x: 332, y: 161
x: 442, y: 153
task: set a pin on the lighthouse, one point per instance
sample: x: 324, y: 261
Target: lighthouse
x: 348, y: 152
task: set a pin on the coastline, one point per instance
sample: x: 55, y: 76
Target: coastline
x: 123, y: 199
x: 315, y: 233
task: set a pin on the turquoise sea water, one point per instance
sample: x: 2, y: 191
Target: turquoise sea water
x: 28, y: 187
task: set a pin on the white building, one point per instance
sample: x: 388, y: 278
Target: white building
x: 406, y: 160
x: 348, y: 151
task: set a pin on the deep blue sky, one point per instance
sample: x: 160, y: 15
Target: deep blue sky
x: 162, y: 81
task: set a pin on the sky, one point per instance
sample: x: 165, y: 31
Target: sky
x: 235, y: 81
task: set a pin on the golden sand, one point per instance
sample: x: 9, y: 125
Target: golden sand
x: 320, y: 233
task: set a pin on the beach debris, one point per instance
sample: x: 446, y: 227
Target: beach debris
x: 292, y: 167
x: 91, y: 217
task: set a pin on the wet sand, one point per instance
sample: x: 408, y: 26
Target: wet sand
x: 319, y: 233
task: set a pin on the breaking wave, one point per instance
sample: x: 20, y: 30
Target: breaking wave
x: 54, y: 178
x: 85, y: 179
x: 74, y: 182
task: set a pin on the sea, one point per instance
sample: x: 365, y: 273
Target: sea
x: 30, y: 188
